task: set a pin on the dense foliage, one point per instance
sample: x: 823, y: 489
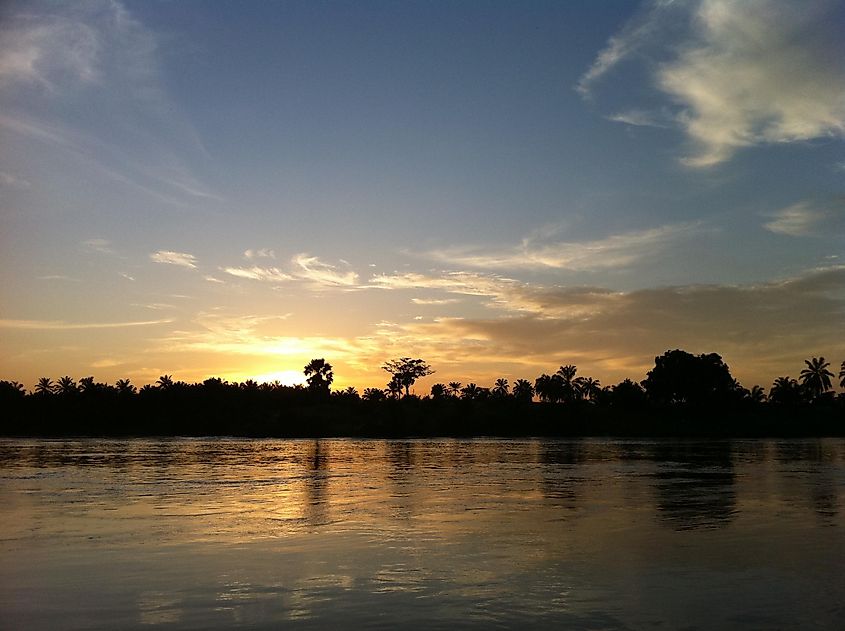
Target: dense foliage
x: 683, y: 394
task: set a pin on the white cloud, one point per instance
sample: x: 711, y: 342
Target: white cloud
x: 60, y: 325
x: 434, y: 301
x: 743, y: 73
x: 808, y: 218
x: 637, y: 118
x: 312, y: 269
x: 615, y: 251
x: 263, y: 253
x: 168, y: 257
x: 269, y: 274
x: 103, y: 246
x: 47, y: 51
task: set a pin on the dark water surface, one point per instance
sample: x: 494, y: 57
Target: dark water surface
x: 586, y: 534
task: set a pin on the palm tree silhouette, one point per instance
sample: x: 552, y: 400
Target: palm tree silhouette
x: 588, y: 388
x: 44, y: 386
x: 842, y: 375
x: 438, y: 391
x: 500, y: 389
x: 470, y: 392
x: 757, y: 394
x: 124, y: 386
x: 785, y: 390
x: 66, y: 386
x: 455, y: 387
x: 815, y: 378
x: 320, y: 375
x: 523, y: 390
x: 568, y: 389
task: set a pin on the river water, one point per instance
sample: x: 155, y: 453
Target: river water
x: 583, y: 534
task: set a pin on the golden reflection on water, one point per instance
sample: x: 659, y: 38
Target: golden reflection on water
x: 221, y: 532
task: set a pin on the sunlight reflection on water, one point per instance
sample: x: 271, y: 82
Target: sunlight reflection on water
x: 208, y: 533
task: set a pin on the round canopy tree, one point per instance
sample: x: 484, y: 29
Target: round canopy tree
x: 406, y: 371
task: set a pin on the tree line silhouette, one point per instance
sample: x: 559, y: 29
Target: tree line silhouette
x: 684, y: 394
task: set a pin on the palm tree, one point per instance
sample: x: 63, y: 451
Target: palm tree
x: 842, y: 375
x: 320, y: 375
x: 588, y: 388
x: 815, y: 378
x: 785, y: 391
x: 568, y: 389
x: 66, y: 386
x: 470, y: 392
x: 124, y: 386
x: 373, y: 394
x: 438, y: 391
x: 87, y: 385
x: 44, y: 386
x: 454, y: 388
x: 165, y: 382
x: 756, y: 394
x: 394, y: 388
x: 548, y: 388
x: 500, y: 389
x: 523, y: 390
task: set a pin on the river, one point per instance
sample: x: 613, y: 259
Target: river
x: 582, y: 534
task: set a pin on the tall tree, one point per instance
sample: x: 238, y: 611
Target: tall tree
x: 679, y: 377
x: 407, y: 371
x: 319, y: 375
x: 454, y: 388
x: 815, y: 378
x: 842, y: 375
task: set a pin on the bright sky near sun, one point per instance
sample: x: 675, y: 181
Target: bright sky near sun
x: 233, y: 188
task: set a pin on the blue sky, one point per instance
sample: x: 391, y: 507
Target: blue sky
x: 232, y: 188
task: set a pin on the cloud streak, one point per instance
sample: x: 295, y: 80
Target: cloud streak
x: 615, y: 251
x: 809, y: 218
x: 60, y: 325
x: 168, y: 257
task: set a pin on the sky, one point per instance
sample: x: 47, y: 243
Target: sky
x: 500, y: 188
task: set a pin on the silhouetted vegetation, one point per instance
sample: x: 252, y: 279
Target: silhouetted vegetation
x: 683, y: 395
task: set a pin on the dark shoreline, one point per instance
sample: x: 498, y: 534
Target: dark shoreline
x: 424, y: 418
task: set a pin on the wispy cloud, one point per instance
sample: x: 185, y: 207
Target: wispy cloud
x: 262, y: 253
x: 60, y: 325
x: 7, y: 180
x: 182, y: 259
x: 269, y: 274
x: 102, y: 246
x: 322, y: 274
x: 638, y: 118
x: 809, y: 218
x: 740, y: 73
x: 536, y: 253
x: 62, y: 277
x: 56, y: 58
x: 434, y: 301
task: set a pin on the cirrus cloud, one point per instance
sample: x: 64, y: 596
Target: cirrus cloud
x: 168, y: 257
